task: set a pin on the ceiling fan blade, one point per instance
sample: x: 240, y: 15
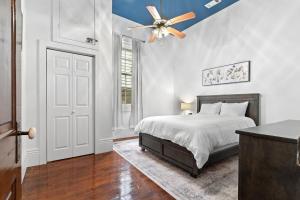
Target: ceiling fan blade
x: 141, y: 27
x: 176, y: 33
x: 181, y: 18
x: 153, y: 11
x: 152, y: 38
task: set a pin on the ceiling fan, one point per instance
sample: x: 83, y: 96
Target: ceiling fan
x: 161, y: 27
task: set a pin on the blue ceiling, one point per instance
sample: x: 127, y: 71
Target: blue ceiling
x: 136, y: 11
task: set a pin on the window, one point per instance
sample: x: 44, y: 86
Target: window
x: 126, y: 70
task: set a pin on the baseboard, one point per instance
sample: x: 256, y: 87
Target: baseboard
x: 104, y: 145
x: 23, y: 165
x: 32, y: 157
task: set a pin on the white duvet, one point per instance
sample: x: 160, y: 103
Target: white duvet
x: 200, y: 133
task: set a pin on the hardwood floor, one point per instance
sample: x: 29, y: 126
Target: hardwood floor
x: 125, y: 138
x: 105, y: 176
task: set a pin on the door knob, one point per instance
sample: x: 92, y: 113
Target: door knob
x: 31, y: 133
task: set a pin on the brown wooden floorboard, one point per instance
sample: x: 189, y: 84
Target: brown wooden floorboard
x: 105, y: 176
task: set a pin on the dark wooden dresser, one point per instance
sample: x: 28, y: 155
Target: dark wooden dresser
x: 268, y: 167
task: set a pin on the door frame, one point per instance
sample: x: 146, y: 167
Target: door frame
x: 41, y: 153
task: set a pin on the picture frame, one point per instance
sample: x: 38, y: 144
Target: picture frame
x: 227, y: 74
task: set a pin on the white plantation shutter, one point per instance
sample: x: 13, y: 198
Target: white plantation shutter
x: 126, y: 70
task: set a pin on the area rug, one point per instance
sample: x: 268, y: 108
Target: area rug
x: 217, y: 182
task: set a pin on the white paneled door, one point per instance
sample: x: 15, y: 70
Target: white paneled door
x: 70, y: 129
x: 82, y: 105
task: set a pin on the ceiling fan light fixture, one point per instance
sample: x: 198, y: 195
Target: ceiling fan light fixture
x: 162, y: 27
x: 161, y: 32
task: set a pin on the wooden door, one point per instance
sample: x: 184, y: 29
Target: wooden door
x: 69, y: 105
x: 10, y: 169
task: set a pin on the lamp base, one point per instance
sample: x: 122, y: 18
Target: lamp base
x: 187, y: 113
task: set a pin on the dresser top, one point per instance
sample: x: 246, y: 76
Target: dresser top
x: 286, y: 131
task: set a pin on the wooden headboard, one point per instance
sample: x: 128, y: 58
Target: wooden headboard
x: 253, y: 110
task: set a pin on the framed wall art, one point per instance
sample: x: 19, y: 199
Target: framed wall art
x: 233, y: 73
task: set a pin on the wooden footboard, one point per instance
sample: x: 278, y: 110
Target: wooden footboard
x: 180, y: 156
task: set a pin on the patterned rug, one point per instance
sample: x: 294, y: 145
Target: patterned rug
x: 217, y: 182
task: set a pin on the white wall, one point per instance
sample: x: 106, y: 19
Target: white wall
x: 36, y: 18
x: 158, y: 73
x: 267, y: 33
x: 37, y: 26
x: 158, y: 78
x: 120, y: 26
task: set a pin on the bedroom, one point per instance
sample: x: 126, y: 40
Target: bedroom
x: 169, y: 78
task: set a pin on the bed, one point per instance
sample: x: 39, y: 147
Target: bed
x: 184, y: 157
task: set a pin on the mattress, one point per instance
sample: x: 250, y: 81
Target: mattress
x: 202, y: 134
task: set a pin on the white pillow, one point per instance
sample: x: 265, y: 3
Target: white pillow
x: 234, y: 109
x: 213, y: 108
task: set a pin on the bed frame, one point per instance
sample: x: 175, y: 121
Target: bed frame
x: 183, y: 158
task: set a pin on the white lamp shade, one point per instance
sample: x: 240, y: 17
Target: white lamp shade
x: 185, y: 106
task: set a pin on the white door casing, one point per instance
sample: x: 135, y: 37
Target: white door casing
x: 69, y: 105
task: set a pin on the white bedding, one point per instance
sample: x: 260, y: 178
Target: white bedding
x: 200, y: 133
